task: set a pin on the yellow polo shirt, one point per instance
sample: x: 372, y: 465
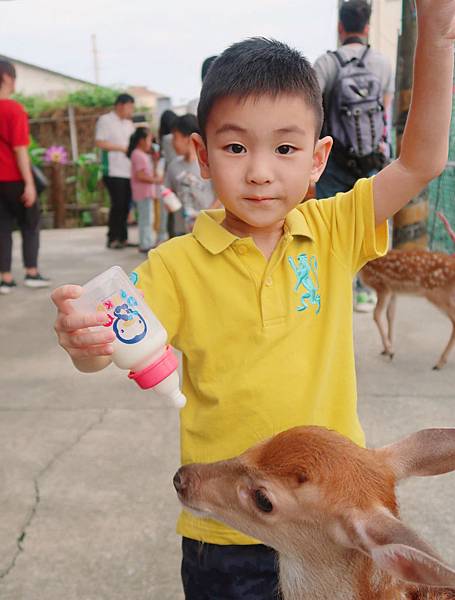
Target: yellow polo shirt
x: 266, y: 345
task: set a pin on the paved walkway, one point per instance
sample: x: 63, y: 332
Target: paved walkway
x: 87, y: 510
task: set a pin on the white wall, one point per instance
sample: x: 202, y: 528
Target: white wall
x: 35, y: 81
x: 385, y: 26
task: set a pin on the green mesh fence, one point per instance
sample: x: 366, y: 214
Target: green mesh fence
x: 442, y: 198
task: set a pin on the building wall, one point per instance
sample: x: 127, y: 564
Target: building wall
x: 35, y: 81
x: 385, y: 27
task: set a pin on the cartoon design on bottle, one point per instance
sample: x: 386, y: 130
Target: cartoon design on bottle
x: 129, y: 326
x: 303, y: 271
x: 140, y: 344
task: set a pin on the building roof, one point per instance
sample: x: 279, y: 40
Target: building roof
x: 142, y: 91
x: 21, y: 62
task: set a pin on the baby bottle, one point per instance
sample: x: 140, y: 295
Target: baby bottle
x: 171, y: 201
x: 140, y: 339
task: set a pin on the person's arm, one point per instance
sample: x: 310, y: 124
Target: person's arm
x: 102, y: 134
x: 23, y: 163
x: 103, y: 145
x: 424, y: 146
x: 142, y: 175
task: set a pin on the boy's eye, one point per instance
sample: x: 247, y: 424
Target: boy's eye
x: 285, y: 149
x: 235, y: 148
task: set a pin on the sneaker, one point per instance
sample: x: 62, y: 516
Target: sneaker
x: 115, y: 245
x: 36, y: 281
x: 145, y: 250
x: 363, y: 302
x: 7, y: 286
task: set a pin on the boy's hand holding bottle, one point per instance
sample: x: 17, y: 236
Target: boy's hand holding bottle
x: 123, y: 326
x: 90, y: 349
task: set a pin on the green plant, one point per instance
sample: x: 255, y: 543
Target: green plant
x: 88, y: 174
x: 36, y: 153
x: 93, y: 96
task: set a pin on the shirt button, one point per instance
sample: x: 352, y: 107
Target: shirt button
x: 269, y: 281
x: 242, y: 249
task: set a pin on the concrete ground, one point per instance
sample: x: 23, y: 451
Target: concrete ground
x: 87, y: 509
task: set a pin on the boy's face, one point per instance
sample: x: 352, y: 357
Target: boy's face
x: 182, y: 143
x: 261, y: 156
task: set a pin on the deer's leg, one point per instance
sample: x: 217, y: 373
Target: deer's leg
x: 381, y: 304
x: 445, y: 355
x: 391, y: 312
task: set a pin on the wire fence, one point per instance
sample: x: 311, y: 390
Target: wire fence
x: 442, y: 198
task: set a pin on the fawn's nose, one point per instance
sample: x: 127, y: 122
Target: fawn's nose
x: 180, y: 481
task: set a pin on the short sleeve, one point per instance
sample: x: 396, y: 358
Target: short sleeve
x: 102, y: 130
x: 139, y: 162
x: 351, y: 221
x: 389, y: 86
x: 18, y: 132
x: 326, y: 70
x: 154, y: 280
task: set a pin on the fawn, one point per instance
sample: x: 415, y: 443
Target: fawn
x: 418, y: 272
x: 329, y: 508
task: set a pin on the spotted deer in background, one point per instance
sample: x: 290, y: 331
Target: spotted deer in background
x: 416, y: 272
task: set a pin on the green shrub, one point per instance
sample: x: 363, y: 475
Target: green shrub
x: 95, y: 96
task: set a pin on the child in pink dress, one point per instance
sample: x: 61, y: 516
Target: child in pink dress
x: 142, y: 180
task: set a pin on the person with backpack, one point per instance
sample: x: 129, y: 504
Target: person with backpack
x: 357, y: 88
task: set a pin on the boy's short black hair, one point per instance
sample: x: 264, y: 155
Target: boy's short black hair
x: 255, y: 67
x: 206, y: 66
x: 124, y: 99
x: 186, y: 125
x: 354, y: 15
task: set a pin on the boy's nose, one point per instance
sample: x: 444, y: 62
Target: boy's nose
x: 259, y: 172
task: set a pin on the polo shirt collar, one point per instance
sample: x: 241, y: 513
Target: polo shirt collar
x: 296, y: 224
x: 210, y: 233
x: 215, y: 238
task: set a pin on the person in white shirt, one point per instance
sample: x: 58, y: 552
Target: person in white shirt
x: 113, y: 132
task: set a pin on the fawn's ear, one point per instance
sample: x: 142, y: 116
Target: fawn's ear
x: 427, y: 452
x: 394, y: 547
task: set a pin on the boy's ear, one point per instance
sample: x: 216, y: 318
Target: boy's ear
x: 202, y: 155
x: 320, y: 157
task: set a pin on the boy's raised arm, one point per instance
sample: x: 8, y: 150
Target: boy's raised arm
x: 424, y: 146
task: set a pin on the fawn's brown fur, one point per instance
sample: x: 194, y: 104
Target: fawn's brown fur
x: 329, y: 508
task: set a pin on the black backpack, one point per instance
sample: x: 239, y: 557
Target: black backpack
x: 354, y: 116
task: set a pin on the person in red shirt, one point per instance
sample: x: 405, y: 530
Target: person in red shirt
x: 18, y: 198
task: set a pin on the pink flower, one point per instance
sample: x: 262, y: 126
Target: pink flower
x: 56, y: 154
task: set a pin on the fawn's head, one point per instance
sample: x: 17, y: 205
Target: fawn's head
x: 309, y: 481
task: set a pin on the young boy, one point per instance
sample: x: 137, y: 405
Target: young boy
x: 183, y: 177
x: 258, y: 297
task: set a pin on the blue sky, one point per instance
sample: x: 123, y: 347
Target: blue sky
x: 157, y: 44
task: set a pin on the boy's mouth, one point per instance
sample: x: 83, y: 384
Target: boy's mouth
x: 259, y: 198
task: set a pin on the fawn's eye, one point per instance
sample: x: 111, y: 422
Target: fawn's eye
x: 301, y: 478
x: 262, y: 502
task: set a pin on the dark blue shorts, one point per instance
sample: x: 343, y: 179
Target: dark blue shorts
x: 213, y: 572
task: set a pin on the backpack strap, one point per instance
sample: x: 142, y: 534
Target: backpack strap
x: 362, y: 58
x: 342, y: 62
